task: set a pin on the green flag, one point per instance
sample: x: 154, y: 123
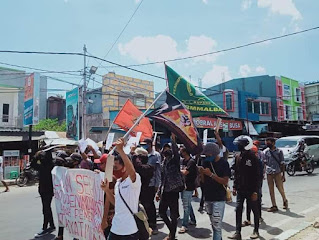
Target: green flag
x: 196, y: 101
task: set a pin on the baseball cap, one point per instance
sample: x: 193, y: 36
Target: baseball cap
x: 211, y: 149
x: 141, y: 151
x: 102, y: 159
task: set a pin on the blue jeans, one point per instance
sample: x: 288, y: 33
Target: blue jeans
x: 216, y: 210
x: 187, y: 206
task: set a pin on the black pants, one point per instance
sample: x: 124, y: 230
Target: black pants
x: 147, y: 199
x: 259, y: 205
x: 241, y: 197
x: 169, y: 200
x: 113, y: 236
x: 202, y: 199
x: 46, y: 210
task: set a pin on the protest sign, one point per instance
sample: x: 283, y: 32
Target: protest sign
x: 79, y: 202
x: 109, y: 168
x: 82, y: 145
x: 205, y: 134
x: 109, y: 141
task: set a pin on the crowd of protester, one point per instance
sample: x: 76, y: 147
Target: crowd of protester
x: 150, y: 174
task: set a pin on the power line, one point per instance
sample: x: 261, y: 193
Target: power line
x: 224, y: 50
x: 118, y: 37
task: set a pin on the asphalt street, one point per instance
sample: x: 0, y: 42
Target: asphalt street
x: 21, y: 213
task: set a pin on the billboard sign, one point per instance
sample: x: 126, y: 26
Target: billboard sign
x: 72, y: 114
x: 226, y: 125
x: 31, y: 99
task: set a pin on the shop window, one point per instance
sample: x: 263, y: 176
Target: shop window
x: 264, y: 108
x: 298, y: 95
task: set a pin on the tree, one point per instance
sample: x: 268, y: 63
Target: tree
x: 50, y: 125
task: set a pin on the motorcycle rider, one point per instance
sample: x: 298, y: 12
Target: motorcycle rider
x: 301, y: 153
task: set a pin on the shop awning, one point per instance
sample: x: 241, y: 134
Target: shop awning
x: 252, y: 130
x: 18, y: 138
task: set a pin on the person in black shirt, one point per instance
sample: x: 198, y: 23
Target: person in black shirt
x: 216, y: 173
x: 246, y: 184
x: 189, y: 170
x: 43, y: 162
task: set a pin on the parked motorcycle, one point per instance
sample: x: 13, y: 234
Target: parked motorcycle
x: 27, y: 175
x: 294, y: 165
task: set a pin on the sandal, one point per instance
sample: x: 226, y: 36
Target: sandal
x: 246, y: 223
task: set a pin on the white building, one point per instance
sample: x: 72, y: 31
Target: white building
x: 9, y: 102
x: 312, y: 101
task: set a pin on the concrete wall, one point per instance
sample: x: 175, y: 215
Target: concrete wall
x: 94, y: 101
x: 94, y: 120
x: 9, y: 96
x: 117, y: 89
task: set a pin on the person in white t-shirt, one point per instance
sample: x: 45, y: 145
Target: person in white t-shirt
x: 129, y: 186
x: 1, y: 175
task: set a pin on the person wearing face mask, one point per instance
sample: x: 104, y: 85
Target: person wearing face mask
x: 246, y: 184
x: 154, y: 159
x: 275, y: 170
x: 216, y: 173
x: 171, y: 185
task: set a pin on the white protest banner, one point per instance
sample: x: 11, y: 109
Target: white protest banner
x: 82, y: 145
x: 137, y: 138
x: 205, y: 134
x: 92, y: 143
x: 79, y: 202
x: 131, y: 141
x: 109, y: 140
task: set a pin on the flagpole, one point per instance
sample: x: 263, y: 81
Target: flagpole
x: 139, y: 119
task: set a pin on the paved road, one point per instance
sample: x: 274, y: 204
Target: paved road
x: 21, y: 217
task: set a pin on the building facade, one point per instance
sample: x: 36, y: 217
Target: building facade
x: 56, y: 108
x: 312, y: 101
x: 9, y: 104
x: 16, y: 78
x: 117, y: 89
x: 261, y: 98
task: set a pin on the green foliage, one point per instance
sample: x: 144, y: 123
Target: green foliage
x: 50, y: 125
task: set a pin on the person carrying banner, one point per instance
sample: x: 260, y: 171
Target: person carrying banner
x: 171, y: 185
x: 127, y: 189
x: 154, y: 159
x: 216, y: 173
x: 43, y: 163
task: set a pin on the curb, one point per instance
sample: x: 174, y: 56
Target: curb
x: 292, y: 232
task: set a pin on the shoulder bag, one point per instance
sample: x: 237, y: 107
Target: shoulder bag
x: 227, y: 189
x: 144, y: 231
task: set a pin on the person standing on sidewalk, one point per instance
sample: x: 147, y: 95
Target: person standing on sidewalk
x: 171, y: 185
x: 216, y: 174
x: 154, y: 159
x: 275, y: 170
x: 189, y: 170
x: 1, y: 175
x: 246, y: 184
x: 43, y: 162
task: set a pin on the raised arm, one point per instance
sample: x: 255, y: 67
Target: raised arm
x: 127, y: 162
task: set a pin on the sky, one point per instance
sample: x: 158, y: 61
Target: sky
x: 163, y: 30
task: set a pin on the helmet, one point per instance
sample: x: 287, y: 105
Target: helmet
x: 61, y: 154
x: 243, y: 142
x: 59, y: 161
x: 302, y: 141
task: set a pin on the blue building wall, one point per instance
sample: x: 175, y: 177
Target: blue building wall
x: 94, y: 107
x: 262, y: 86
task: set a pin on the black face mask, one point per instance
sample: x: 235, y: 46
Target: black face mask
x: 241, y: 148
x: 269, y: 145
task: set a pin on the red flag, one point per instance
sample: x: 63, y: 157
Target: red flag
x: 128, y: 116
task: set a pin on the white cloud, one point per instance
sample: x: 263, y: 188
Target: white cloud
x: 137, y: 1
x: 216, y: 75
x: 162, y: 47
x: 245, y: 4
x: 244, y: 70
x: 205, y: 1
x: 282, y: 7
x: 260, y: 70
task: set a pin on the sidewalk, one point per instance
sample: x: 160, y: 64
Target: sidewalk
x: 309, y: 233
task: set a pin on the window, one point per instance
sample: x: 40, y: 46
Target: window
x: 123, y: 96
x: 312, y: 141
x: 139, y: 100
x: 250, y: 106
x: 288, y: 112
x: 300, y: 113
x: 5, y: 112
x: 264, y: 108
x: 287, y: 93
x: 229, y: 101
x: 257, y: 107
x: 298, y: 95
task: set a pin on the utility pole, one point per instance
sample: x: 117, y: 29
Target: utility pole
x: 84, y: 96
